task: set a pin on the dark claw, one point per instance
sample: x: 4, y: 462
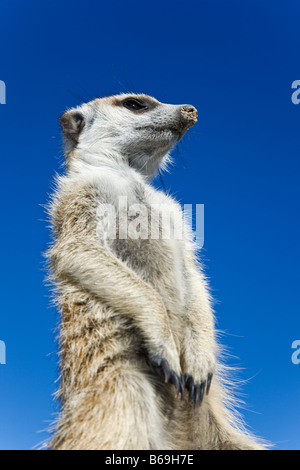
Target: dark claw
x: 157, y: 363
x: 197, y: 394
x: 166, y: 370
x: 209, y: 379
x: 182, y: 382
x: 189, y: 383
x: 175, y: 381
x: 202, y: 391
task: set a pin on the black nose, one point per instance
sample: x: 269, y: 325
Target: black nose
x: 188, y: 114
x: 189, y: 109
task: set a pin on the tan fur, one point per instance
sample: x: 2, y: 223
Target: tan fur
x: 123, y: 302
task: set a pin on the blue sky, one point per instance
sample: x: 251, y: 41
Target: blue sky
x: 235, y: 61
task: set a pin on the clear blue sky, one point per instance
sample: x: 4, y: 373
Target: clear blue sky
x: 235, y: 61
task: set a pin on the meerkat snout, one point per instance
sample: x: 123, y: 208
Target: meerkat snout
x: 189, y: 114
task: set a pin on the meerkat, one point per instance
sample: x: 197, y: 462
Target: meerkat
x: 139, y: 357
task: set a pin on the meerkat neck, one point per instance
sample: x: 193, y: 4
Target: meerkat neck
x: 81, y: 162
x: 81, y: 159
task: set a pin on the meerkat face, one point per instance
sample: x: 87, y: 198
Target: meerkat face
x: 135, y: 128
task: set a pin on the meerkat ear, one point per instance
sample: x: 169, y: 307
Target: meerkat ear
x: 72, y: 122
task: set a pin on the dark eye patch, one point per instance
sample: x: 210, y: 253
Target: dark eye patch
x: 136, y: 105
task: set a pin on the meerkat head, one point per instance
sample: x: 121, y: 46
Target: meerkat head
x: 135, y: 129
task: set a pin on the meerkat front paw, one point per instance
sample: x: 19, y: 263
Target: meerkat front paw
x: 166, y: 362
x: 199, y: 380
x: 197, y: 390
x: 170, y: 376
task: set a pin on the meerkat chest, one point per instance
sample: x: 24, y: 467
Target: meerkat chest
x: 146, y: 231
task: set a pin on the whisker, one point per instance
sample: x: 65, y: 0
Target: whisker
x: 74, y: 94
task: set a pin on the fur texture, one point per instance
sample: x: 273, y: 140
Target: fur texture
x: 132, y: 308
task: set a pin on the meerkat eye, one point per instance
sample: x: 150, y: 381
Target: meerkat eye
x: 134, y: 104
